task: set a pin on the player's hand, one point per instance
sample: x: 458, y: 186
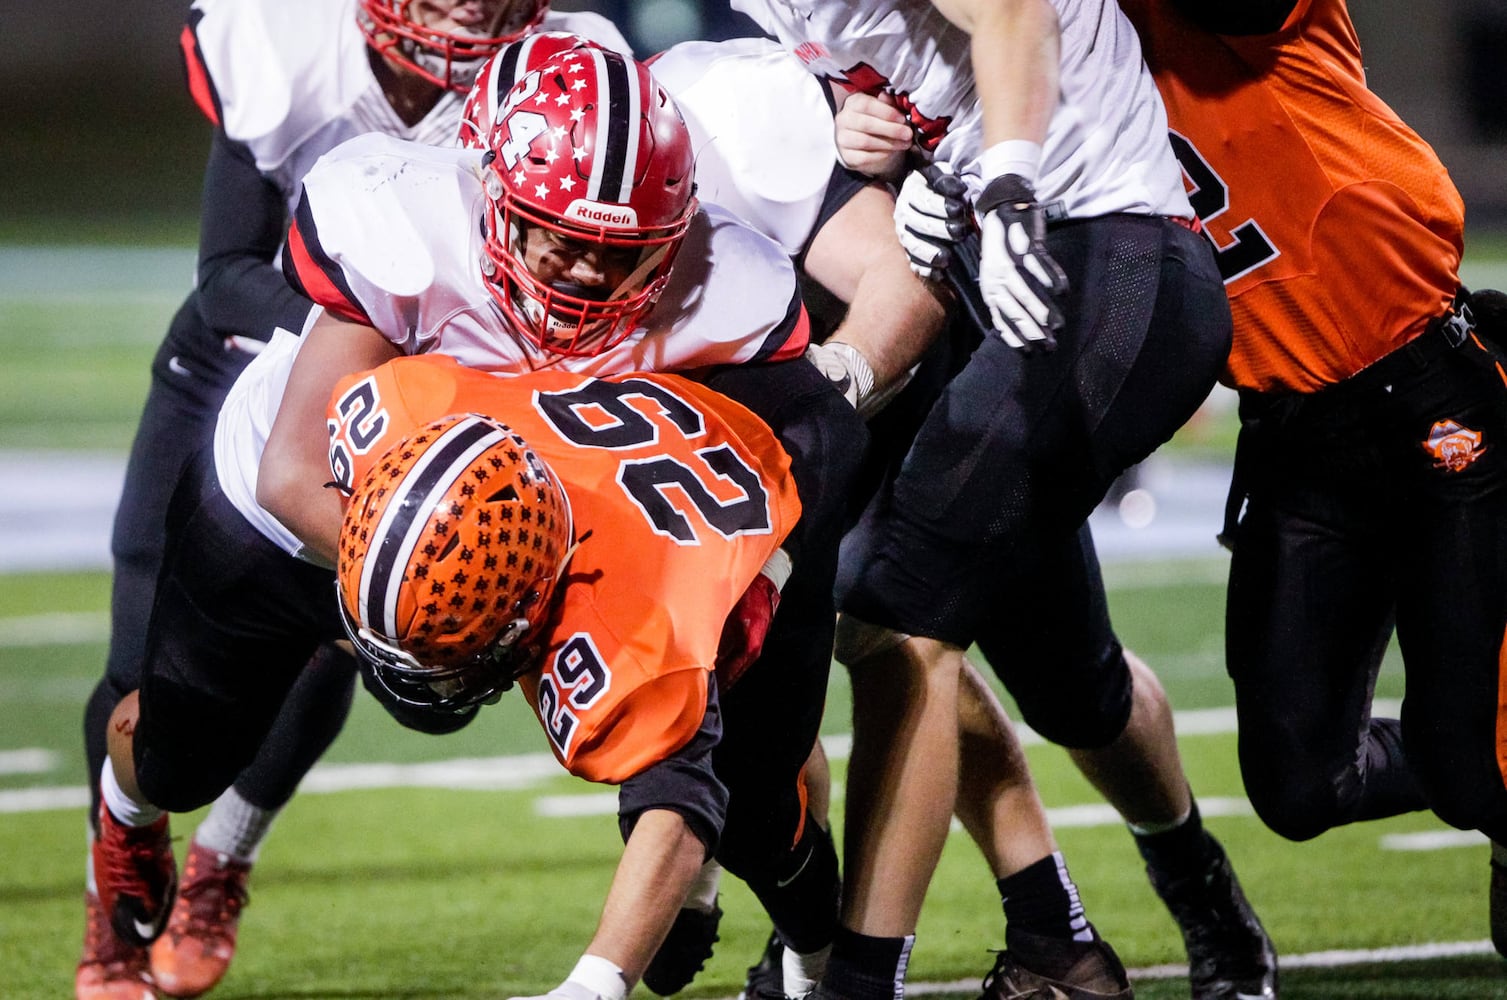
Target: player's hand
x: 1018, y: 278
x: 846, y: 368
x: 931, y: 214
x: 748, y: 623
x: 872, y: 135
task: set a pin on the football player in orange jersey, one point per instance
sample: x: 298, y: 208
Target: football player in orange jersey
x: 677, y: 497
x: 1370, y: 482
x: 282, y: 84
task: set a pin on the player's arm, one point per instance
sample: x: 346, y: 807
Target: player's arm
x: 671, y: 815
x: 1016, y: 59
x: 893, y: 316
x: 295, y: 469
x: 1237, y: 17
x: 241, y: 290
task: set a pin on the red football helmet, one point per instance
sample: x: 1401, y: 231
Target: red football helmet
x: 589, y: 156
x: 450, y: 553
x: 446, y: 58
x: 498, y: 76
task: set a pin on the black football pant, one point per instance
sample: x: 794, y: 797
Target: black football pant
x: 772, y: 716
x: 234, y: 628
x: 981, y: 535
x: 191, y: 374
x: 1380, y: 500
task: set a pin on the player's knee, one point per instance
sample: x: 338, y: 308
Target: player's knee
x: 857, y: 640
x: 183, y: 785
x: 1076, y: 716
x: 1293, y: 807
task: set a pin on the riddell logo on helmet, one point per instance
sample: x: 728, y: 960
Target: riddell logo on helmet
x: 598, y: 214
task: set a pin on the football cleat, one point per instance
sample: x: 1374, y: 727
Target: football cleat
x: 685, y: 950
x: 193, y: 953
x: 110, y: 969
x: 1046, y: 968
x: 1498, y: 895
x: 766, y: 977
x: 1230, y: 956
x: 136, y: 876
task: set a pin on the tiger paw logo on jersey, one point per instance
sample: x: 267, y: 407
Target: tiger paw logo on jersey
x: 1454, y: 447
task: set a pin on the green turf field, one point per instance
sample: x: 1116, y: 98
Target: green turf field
x: 433, y: 890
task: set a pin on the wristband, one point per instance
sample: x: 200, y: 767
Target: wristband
x: 1020, y: 157
x: 777, y: 567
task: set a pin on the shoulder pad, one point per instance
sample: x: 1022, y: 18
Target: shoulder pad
x: 770, y: 163
x: 281, y: 70
x: 382, y: 206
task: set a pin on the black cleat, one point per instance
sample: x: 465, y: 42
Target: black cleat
x: 1230, y: 956
x: 1044, y: 968
x: 684, y: 951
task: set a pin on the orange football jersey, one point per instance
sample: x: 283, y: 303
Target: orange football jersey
x: 1338, y: 231
x: 678, y: 495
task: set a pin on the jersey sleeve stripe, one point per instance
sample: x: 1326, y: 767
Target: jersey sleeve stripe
x: 311, y: 271
x: 791, y: 338
x: 200, y: 86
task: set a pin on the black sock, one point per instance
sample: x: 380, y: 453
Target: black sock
x: 1182, y: 850
x: 1042, y: 899
x: 868, y: 968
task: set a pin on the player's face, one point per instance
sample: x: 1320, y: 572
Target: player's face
x: 583, y: 268
x: 482, y: 18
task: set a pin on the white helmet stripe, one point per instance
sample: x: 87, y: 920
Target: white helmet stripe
x: 407, y: 514
x: 615, y: 149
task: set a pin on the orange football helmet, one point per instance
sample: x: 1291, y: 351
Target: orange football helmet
x: 450, y: 552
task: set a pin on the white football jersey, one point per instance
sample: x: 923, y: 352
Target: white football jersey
x: 293, y: 80
x: 1106, y: 149
x: 393, y: 228
x: 762, y: 131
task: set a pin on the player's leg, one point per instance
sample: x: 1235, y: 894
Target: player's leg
x: 195, y: 951
x: 178, y: 417
x: 1050, y: 941
x: 1451, y: 534
x: 1308, y: 616
x: 234, y: 622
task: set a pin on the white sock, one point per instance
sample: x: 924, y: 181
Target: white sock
x: 235, y: 827
x: 803, y: 972
x: 703, y: 893
x: 126, y: 810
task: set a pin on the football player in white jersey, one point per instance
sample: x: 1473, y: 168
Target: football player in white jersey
x: 1108, y: 334
x: 572, y: 240
x: 775, y: 165
x: 282, y: 84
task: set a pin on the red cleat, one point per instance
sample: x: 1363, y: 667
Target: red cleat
x: 110, y: 969
x: 136, y: 876
x: 192, y: 956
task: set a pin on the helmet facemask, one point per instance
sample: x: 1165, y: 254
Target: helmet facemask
x: 446, y: 58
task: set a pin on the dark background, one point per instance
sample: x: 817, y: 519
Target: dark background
x: 102, y: 143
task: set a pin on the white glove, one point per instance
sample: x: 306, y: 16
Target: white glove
x: 845, y: 368
x: 1018, y: 278
x: 931, y: 214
